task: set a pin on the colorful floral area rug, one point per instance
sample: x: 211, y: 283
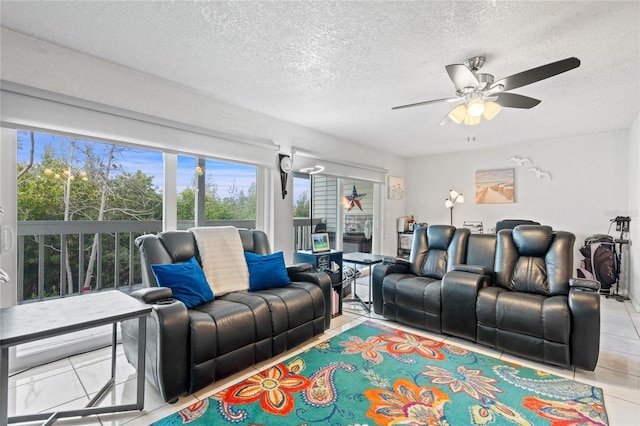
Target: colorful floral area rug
x: 373, y: 374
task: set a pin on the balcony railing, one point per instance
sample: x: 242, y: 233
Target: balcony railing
x: 51, y: 254
x: 302, y: 228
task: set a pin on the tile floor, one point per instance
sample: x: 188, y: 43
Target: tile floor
x: 70, y: 382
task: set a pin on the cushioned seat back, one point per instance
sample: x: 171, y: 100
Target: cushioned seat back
x: 255, y: 241
x: 180, y: 246
x: 164, y: 248
x: 436, y: 249
x: 534, y: 259
x: 481, y: 250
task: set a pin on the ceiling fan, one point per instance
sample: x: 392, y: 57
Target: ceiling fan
x: 484, y: 97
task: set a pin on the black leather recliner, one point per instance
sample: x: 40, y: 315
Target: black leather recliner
x: 513, y: 291
x: 188, y: 349
x: 409, y: 292
x: 535, y: 308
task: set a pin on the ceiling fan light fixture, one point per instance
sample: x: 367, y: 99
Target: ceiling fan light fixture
x: 458, y: 114
x: 475, y: 107
x: 491, y: 109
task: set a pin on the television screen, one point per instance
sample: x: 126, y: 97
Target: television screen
x: 320, y: 242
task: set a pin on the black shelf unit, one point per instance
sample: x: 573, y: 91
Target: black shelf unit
x: 405, y: 240
x: 322, y: 262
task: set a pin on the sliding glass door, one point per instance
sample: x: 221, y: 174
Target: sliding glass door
x: 358, y: 215
x: 344, y: 208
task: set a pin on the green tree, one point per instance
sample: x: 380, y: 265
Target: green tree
x: 235, y: 205
x: 301, y: 205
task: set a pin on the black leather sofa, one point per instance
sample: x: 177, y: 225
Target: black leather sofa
x: 511, y: 291
x: 188, y: 349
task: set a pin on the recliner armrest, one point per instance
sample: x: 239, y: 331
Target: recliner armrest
x: 582, y: 284
x: 167, y: 337
x: 395, y: 261
x: 459, y: 295
x: 584, y: 306
x: 299, y: 267
x: 152, y: 294
x: 474, y: 269
x: 322, y: 280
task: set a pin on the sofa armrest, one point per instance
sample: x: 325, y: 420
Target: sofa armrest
x: 167, y: 346
x: 583, y: 284
x: 473, y: 269
x: 152, y: 294
x: 398, y: 266
x: 584, y: 305
x: 299, y: 267
x: 323, y: 280
x: 459, y: 295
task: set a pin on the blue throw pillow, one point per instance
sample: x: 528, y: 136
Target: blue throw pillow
x: 186, y: 281
x: 266, y: 271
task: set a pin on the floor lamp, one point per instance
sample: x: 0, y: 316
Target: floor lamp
x: 454, y: 197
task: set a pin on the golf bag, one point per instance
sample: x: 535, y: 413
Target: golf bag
x: 600, y: 261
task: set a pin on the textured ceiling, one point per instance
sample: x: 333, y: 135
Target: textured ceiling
x: 339, y: 67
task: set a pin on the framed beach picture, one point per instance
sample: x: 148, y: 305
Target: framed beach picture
x: 395, y: 188
x: 495, y: 186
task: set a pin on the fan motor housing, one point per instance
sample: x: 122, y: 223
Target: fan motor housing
x: 485, y: 80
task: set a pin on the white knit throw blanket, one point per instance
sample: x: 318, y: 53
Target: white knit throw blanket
x: 222, y: 258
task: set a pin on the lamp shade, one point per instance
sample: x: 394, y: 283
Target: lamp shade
x: 448, y: 204
x: 491, y: 109
x: 460, y: 199
x: 475, y: 107
x: 471, y: 121
x: 458, y: 114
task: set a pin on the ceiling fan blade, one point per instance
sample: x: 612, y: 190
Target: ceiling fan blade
x: 462, y: 77
x: 434, y: 101
x: 511, y: 100
x: 536, y: 74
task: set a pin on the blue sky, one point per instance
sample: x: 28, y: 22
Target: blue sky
x: 150, y: 163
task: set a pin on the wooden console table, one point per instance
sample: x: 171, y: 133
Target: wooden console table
x: 33, y: 321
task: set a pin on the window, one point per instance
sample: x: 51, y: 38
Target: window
x: 314, y: 208
x: 301, y: 196
x: 227, y: 190
x: 66, y: 187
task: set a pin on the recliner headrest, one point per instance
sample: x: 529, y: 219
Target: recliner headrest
x: 439, y: 236
x: 532, y: 240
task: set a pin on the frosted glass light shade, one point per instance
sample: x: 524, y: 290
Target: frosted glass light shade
x: 475, y: 107
x: 491, y: 109
x: 458, y: 114
x: 460, y: 199
x: 448, y: 204
x: 471, y: 121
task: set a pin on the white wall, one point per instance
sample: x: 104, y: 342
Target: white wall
x: 45, y: 66
x: 634, y: 212
x: 589, y: 184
